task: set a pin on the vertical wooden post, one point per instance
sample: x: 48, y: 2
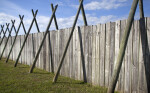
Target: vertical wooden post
x: 34, y: 17
x: 47, y: 29
x: 64, y: 53
x: 122, y: 49
x: 13, y: 22
x: 144, y: 40
x: 7, y: 28
x: 21, y: 22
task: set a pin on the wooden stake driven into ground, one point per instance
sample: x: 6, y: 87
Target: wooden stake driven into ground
x: 21, y: 23
x: 66, y: 47
x: 47, y: 30
x: 144, y: 40
x: 2, y: 30
x: 13, y: 26
x: 122, y: 49
x: 7, y: 28
x: 34, y: 18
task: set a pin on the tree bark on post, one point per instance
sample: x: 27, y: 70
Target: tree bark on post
x: 122, y: 49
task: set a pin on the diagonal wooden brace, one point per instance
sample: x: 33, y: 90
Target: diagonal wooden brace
x: 47, y: 29
x: 21, y: 22
x: 34, y: 18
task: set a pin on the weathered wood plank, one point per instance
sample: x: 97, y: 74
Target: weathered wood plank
x: 71, y: 55
x: 112, y: 48
x: 44, y: 53
x: 102, y: 55
x: 117, y: 38
x: 148, y: 50
x: 97, y: 62
x: 142, y: 54
x: 107, y: 53
x: 94, y: 28
x: 67, y: 54
x: 89, y: 36
x: 128, y: 63
x: 122, y: 75
x: 78, y: 54
x: 47, y: 54
x: 81, y: 32
x: 56, y: 44
x: 135, y: 64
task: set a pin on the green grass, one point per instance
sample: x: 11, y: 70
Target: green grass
x: 18, y: 80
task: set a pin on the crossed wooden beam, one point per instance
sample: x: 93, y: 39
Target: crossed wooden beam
x: 47, y: 32
x: 13, y: 26
x: 21, y: 23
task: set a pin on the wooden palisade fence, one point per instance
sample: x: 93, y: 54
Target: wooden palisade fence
x: 100, y: 48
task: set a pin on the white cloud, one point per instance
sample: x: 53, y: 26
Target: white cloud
x: 12, y: 8
x: 62, y: 22
x: 104, y: 4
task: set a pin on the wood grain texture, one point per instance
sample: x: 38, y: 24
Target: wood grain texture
x: 100, y: 49
x: 107, y: 53
x: 97, y: 57
x: 93, y: 53
x: 117, y: 43
x: 102, y: 54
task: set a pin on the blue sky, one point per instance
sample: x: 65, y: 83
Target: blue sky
x: 97, y: 11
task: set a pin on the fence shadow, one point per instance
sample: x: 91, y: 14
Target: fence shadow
x: 145, y: 50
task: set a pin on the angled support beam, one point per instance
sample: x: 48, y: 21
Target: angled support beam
x: 2, y: 30
x: 66, y: 47
x: 7, y: 28
x: 56, y: 25
x: 13, y: 22
x: 21, y: 20
x: 47, y: 29
x: 83, y: 15
x: 145, y: 48
x: 21, y: 23
x: 35, y: 21
x: 122, y: 49
x: 34, y: 18
x: 82, y: 56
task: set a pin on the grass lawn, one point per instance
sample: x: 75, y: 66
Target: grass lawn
x: 18, y: 80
